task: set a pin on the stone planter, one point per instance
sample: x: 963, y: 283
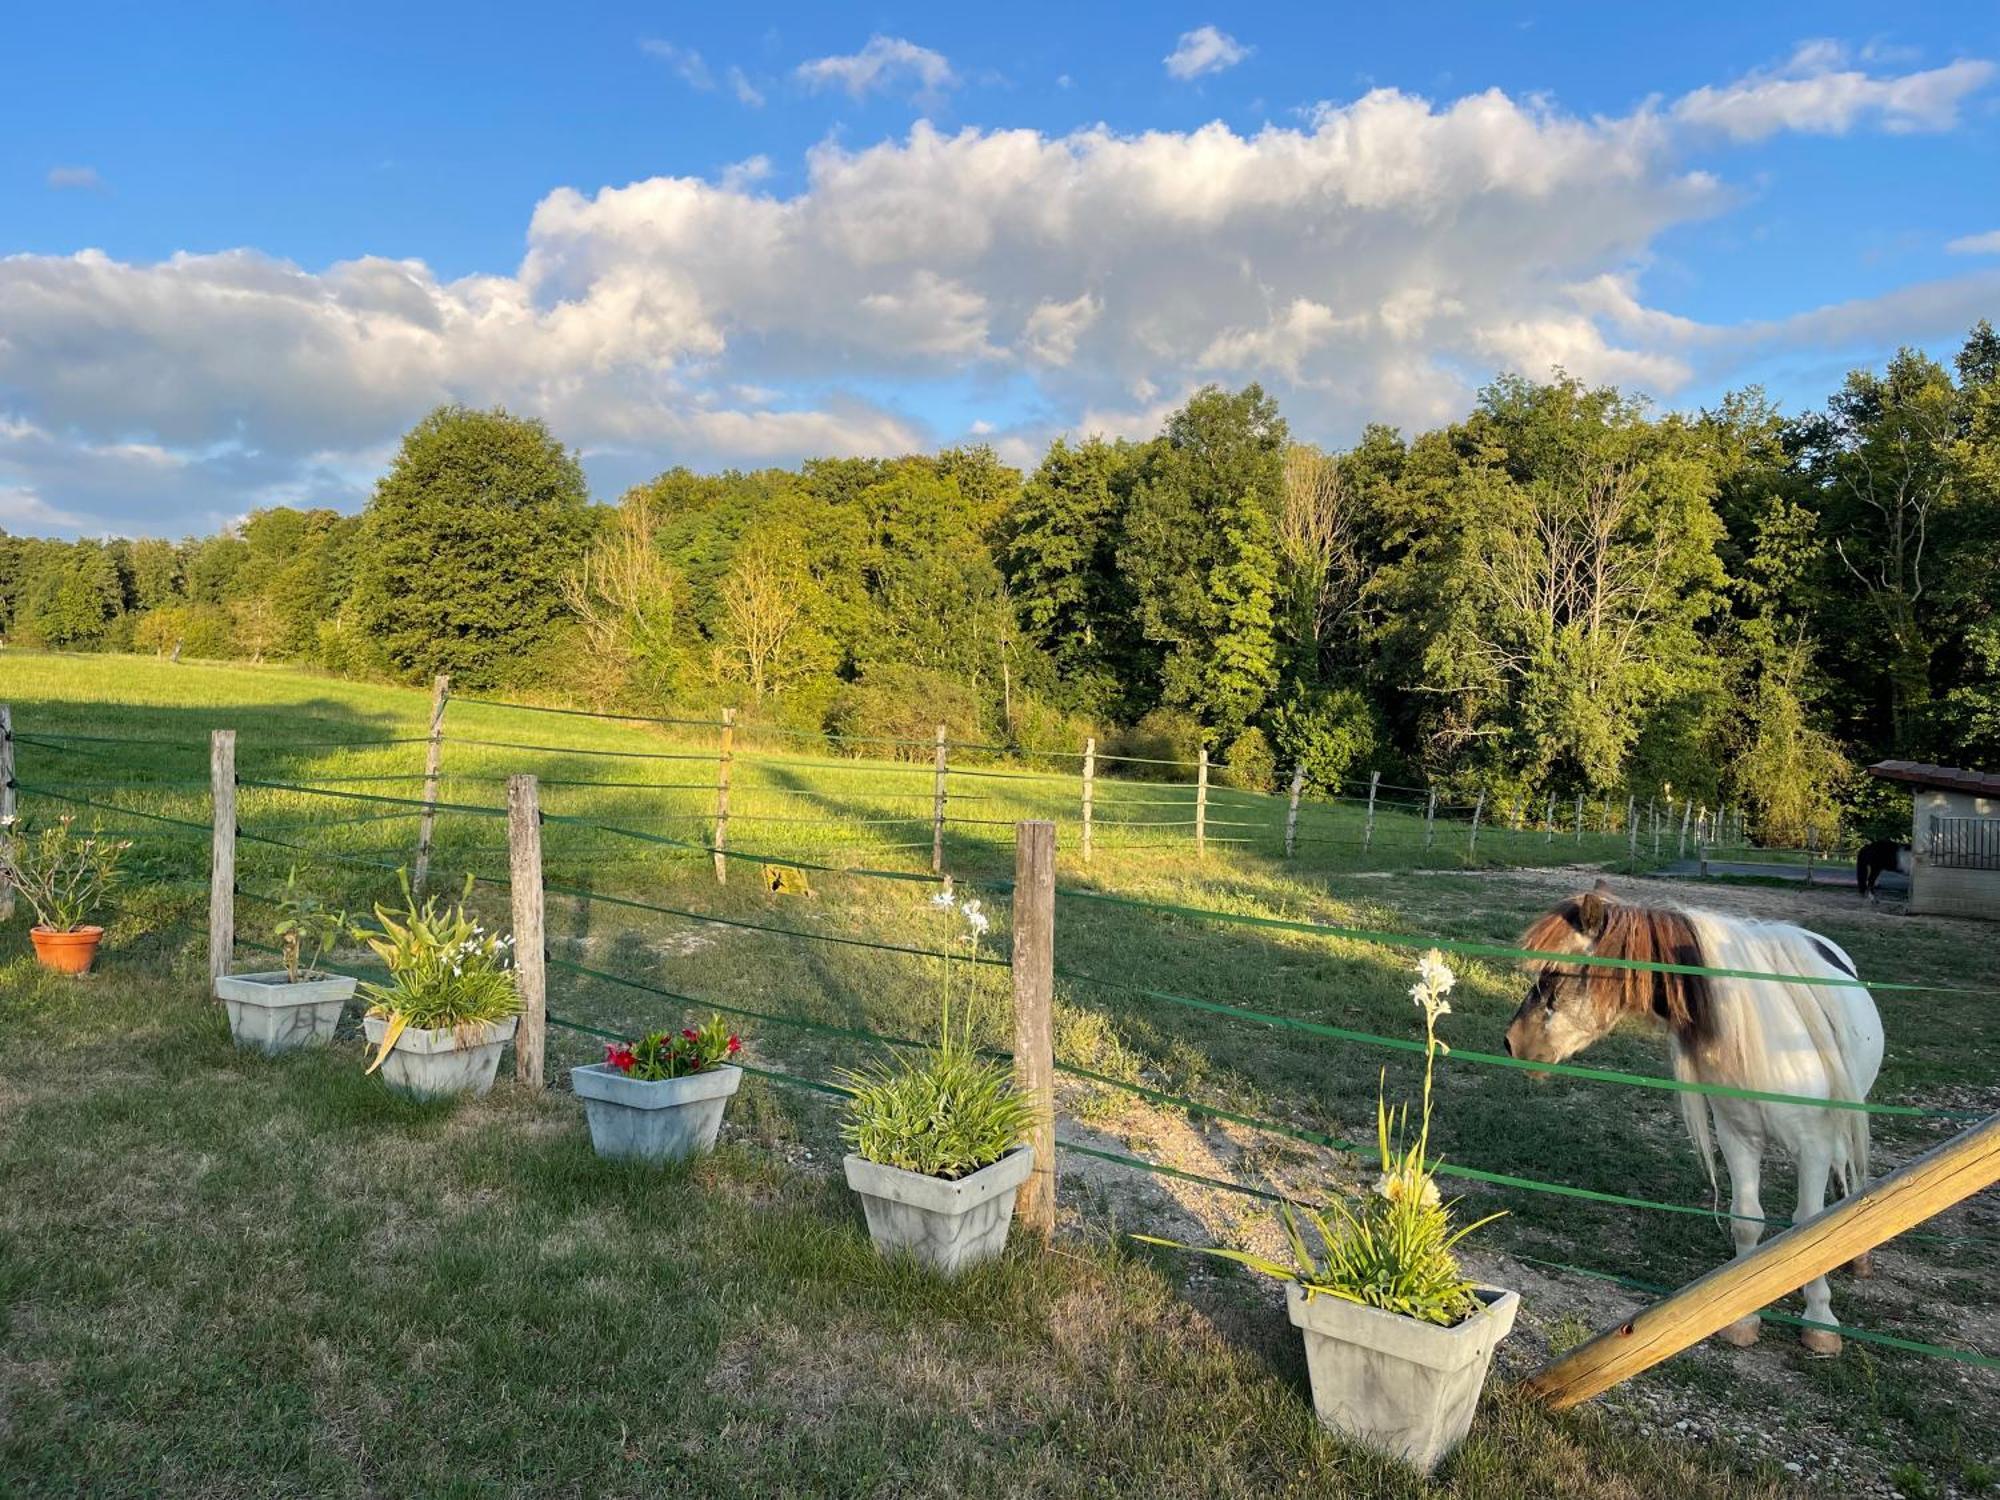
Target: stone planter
x: 947, y: 1224
x: 1399, y: 1386
x: 653, y: 1120
x: 447, y: 1060
x: 271, y: 1014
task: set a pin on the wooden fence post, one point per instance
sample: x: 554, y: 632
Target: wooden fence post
x: 1632, y: 829
x: 937, y: 804
x: 433, y: 763
x: 1549, y: 818
x: 1472, y: 838
x: 524, y: 884
x: 1430, y: 819
x: 1292, y: 810
x: 9, y: 800
x: 1089, y: 790
x: 1368, y: 828
x: 724, y: 759
x: 1579, y: 817
x: 1964, y: 1165
x: 1653, y: 812
x: 1812, y: 852
x: 1034, y: 1023
x: 1201, y: 803
x: 222, y: 854
x: 1687, y: 814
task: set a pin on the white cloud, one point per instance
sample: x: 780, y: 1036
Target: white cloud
x: 84, y: 178
x: 1374, y: 263
x: 1816, y: 93
x: 887, y: 62
x: 1204, y: 50
x: 1975, y: 244
x: 746, y: 92
x: 685, y: 61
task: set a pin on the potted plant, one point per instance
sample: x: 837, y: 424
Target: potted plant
x: 1398, y: 1340
x: 63, y: 878
x: 660, y: 1098
x: 938, y: 1136
x: 279, y: 1009
x: 449, y: 1007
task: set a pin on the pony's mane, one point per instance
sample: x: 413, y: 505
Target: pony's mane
x: 1648, y: 934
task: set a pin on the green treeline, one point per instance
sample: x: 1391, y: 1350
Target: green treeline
x: 1563, y: 593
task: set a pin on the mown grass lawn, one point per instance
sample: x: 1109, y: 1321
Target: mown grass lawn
x: 227, y: 1276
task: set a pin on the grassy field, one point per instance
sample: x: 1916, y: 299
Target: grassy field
x: 1923, y: 1421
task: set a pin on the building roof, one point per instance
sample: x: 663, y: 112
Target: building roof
x: 1950, y: 778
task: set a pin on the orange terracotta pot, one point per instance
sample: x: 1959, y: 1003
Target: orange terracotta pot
x: 66, y: 952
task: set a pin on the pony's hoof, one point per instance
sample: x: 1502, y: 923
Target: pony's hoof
x: 1821, y: 1343
x: 1743, y: 1332
x: 1862, y: 1266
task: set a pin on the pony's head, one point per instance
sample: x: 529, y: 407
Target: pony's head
x: 1570, y: 1006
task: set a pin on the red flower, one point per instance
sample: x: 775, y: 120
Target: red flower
x: 619, y: 1056
x: 691, y: 1035
x: 735, y: 1044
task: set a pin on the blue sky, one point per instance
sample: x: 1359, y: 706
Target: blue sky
x: 246, y: 246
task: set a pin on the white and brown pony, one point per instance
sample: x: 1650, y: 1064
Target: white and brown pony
x: 1819, y: 1041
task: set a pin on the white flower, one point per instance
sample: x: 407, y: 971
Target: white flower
x: 944, y: 900
x: 1394, y: 1189
x: 1436, y: 973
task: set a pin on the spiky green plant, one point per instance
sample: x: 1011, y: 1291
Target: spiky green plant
x: 445, y: 969
x: 1396, y: 1249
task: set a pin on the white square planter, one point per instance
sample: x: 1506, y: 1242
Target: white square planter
x: 654, y: 1120
x: 273, y: 1015
x: 446, y: 1060
x: 945, y: 1223
x: 1400, y: 1386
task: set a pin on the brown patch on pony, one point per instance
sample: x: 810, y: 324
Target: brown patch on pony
x: 1604, y: 928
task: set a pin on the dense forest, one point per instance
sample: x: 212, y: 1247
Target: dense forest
x: 1564, y: 592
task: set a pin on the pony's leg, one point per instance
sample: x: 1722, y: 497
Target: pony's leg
x: 1814, y: 1169
x: 1745, y: 1159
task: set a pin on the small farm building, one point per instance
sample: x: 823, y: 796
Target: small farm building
x: 1954, y: 838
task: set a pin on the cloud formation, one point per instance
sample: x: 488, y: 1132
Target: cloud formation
x: 73, y: 178
x: 1376, y: 262
x: 1815, y: 92
x: 1204, y: 50
x: 886, y: 63
x: 1975, y: 244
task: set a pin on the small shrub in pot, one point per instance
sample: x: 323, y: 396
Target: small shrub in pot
x: 660, y: 1098
x: 64, y: 879
x: 279, y: 1009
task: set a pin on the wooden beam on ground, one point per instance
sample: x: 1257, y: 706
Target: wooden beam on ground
x: 1964, y: 1165
x: 1034, y: 1022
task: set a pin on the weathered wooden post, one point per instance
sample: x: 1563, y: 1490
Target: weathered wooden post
x: 1368, y: 828
x: 524, y: 883
x: 1687, y: 815
x: 1632, y: 830
x: 1034, y: 1001
x: 1201, y: 803
x: 1549, y: 818
x: 1579, y: 817
x: 1653, y: 812
x: 1812, y: 852
x: 937, y: 803
x: 725, y: 757
x: 1292, y: 810
x: 433, y: 764
x: 1430, y: 819
x: 9, y: 799
x: 1089, y: 790
x: 1472, y: 838
x: 1947, y: 1174
x: 222, y: 853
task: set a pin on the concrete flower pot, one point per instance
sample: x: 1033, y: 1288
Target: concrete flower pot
x: 447, y: 1060
x: 1401, y: 1387
x: 653, y: 1120
x: 273, y: 1015
x: 947, y: 1224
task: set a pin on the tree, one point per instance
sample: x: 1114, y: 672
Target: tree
x: 1320, y: 559
x: 626, y: 595
x: 466, y: 542
x: 767, y: 602
x: 1200, y: 548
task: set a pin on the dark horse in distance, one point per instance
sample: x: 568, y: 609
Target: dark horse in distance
x: 1874, y: 859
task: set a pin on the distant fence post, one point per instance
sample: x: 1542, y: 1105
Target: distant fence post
x: 1579, y: 817
x: 1687, y: 815
x: 1430, y: 819
x: 222, y: 854
x: 1653, y: 812
x: 1812, y: 852
x: 1089, y: 789
x: 9, y: 802
x: 937, y: 803
x: 433, y: 763
x: 1368, y: 828
x: 524, y: 883
x: 725, y: 757
x: 1472, y: 838
x: 1034, y: 1022
x: 1201, y: 803
x: 1549, y: 818
x: 1631, y: 831
x: 1292, y: 810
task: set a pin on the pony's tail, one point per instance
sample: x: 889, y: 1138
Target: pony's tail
x: 1694, y: 1113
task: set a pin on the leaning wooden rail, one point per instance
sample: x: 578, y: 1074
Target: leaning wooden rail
x: 1964, y: 1165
